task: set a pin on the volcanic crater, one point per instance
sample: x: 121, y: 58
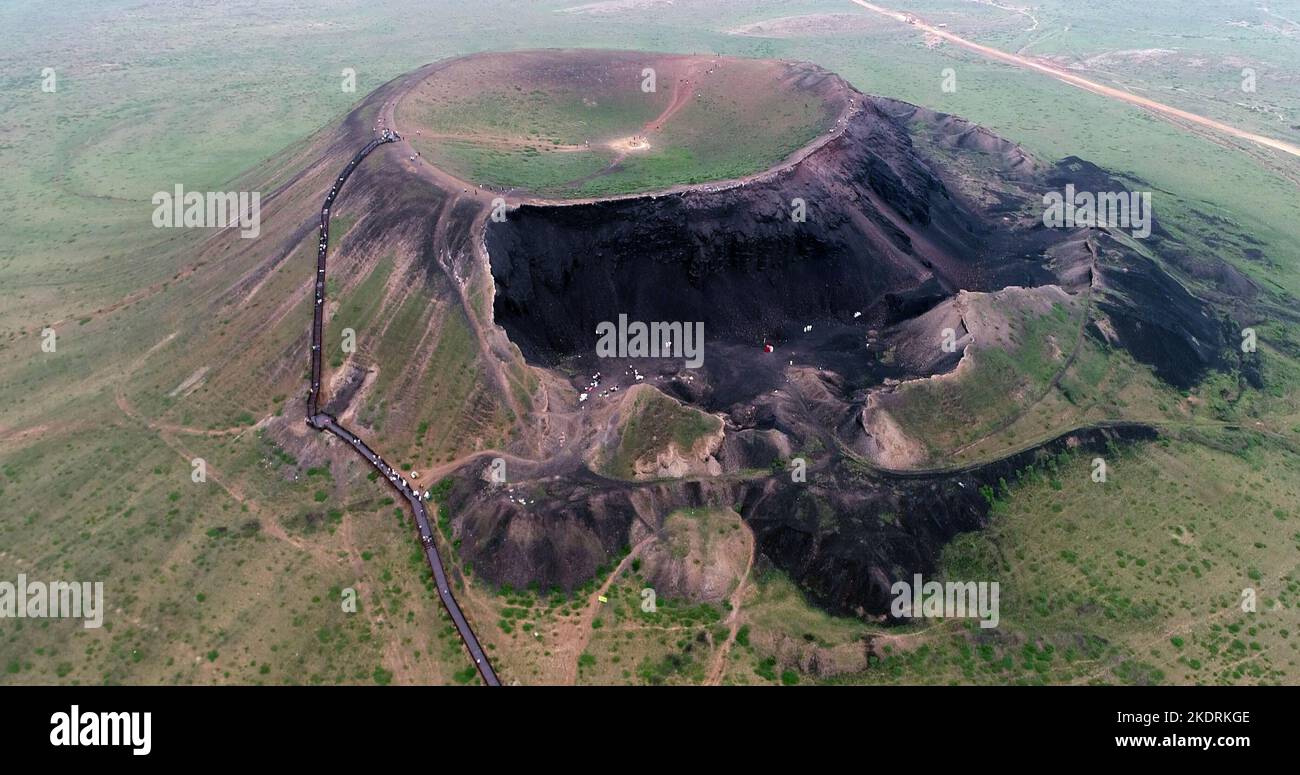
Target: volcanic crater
x: 829, y: 241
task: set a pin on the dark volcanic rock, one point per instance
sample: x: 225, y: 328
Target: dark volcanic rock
x: 1159, y: 322
x: 905, y: 208
x: 882, y: 237
x: 848, y: 534
x: 890, y: 233
x: 845, y: 536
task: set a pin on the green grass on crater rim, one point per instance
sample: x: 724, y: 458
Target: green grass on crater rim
x: 569, y: 124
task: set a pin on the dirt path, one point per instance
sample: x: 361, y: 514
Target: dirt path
x: 119, y: 396
x: 1025, y: 12
x: 682, y: 90
x: 593, y: 605
x: 733, y: 619
x: 1165, y: 111
x: 130, y: 411
x: 269, y: 524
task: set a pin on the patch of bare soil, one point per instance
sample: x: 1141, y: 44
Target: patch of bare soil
x: 889, y: 446
x: 633, y: 144
x: 190, y: 384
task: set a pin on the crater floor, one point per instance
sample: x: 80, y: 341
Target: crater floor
x: 582, y: 123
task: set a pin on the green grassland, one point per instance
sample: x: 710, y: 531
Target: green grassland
x: 542, y: 171
x: 203, y: 582
x: 676, y: 641
x: 1008, y: 400
x: 1191, y: 56
x: 1135, y: 580
x: 556, y: 115
x: 237, y: 580
x: 534, y: 124
x: 700, y: 144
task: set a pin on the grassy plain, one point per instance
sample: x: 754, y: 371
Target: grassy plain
x: 239, y: 580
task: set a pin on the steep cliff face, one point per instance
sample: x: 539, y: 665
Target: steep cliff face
x: 891, y: 228
x: 904, y: 209
x: 881, y: 237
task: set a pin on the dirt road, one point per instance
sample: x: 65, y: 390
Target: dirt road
x: 1165, y: 111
